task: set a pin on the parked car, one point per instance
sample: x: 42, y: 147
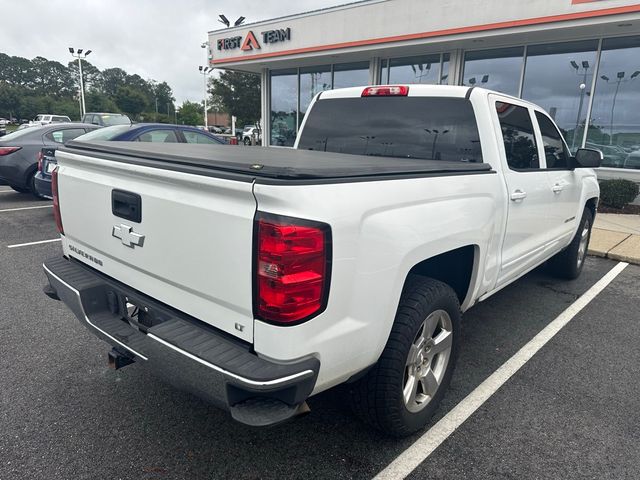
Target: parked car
x: 106, y: 119
x: 153, y: 132
x: 239, y: 132
x: 4, y: 122
x: 257, y: 277
x: 632, y: 161
x: 140, y: 132
x: 250, y: 134
x: 46, y: 119
x: 19, y: 151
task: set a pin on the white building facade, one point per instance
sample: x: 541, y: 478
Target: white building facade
x: 579, y: 59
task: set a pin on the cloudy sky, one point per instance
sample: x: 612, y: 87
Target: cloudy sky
x: 158, y: 39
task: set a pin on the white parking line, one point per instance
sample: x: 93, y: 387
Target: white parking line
x: 33, y: 243
x: 420, y: 450
x: 24, y: 208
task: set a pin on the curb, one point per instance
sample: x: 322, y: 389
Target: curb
x: 615, y: 245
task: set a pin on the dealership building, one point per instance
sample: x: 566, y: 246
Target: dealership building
x: 578, y: 59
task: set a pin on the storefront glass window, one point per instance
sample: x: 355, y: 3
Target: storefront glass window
x: 558, y: 77
x: 350, y: 74
x: 498, y: 69
x: 284, y: 103
x: 444, y: 71
x: 614, y: 127
x: 424, y: 69
x: 312, y: 81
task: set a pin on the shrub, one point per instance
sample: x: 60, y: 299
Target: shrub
x: 618, y: 193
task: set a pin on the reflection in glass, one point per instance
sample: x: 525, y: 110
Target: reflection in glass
x: 284, y: 99
x: 444, y: 70
x: 395, y: 127
x: 614, y: 127
x: 424, y: 69
x: 558, y: 78
x: 498, y: 69
x: 350, y: 74
x: 312, y: 81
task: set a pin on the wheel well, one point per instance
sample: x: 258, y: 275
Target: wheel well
x: 592, y: 204
x: 27, y: 175
x: 453, y: 268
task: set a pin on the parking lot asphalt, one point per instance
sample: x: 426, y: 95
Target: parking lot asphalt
x: 570, y: 412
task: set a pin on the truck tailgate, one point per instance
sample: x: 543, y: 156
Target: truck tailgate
x: 196, y: 252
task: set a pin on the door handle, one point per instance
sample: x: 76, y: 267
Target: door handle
x: 517, y: 195
x: 557, y: 188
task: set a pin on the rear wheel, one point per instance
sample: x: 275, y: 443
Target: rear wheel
x: 402, y: 391
x: 569, y: 262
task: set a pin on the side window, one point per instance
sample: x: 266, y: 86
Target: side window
x: 554, y: 148
x: 519, y: 139
x: 195, y: 137
x: 159, y: 136
x: 62, y: 136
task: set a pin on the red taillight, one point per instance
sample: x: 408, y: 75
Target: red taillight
x: 39, y: 161
x: 386, y: 91
x: 8, y: 150
x: 292, y: 268
x: 56, y: 200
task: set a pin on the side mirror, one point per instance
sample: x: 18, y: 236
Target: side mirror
x: 587, y: 158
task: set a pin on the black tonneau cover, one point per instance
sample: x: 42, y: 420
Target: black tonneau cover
x: 268, y: 162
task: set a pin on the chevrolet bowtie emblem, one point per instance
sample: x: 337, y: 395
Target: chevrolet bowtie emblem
x: 128, y: 238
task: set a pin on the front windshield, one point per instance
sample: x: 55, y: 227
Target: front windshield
x: 39, y: 118
x: 110, y: 120
x: 106, y: 133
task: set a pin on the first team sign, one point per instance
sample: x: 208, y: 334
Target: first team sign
x: 250, y: 42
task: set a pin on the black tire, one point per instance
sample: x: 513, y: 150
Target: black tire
x: 247, y: 141
x: 568, y: 263
x: 20, y: 189
x: 377, y: 398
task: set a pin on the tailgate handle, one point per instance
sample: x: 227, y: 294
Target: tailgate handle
x: 126, y: 205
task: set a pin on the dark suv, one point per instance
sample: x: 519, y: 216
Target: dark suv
x: 106, y: 119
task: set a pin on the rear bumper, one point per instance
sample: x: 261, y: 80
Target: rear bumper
x: 43, y: 184
x: 187, y: 353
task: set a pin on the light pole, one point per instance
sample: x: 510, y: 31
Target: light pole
x: 435, y: 134
x: 582, y: 87
x: 205, y: 72
x: 619, y: 79
x: 79, y: 55
x: 472, y: 81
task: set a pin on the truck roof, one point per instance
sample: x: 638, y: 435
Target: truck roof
x: 269, y: 164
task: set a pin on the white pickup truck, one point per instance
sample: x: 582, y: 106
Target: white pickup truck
x: 258, y: 277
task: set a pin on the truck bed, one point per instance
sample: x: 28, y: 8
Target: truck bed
x: 271, y: 164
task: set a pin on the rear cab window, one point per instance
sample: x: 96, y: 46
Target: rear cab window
x: 430, y: 128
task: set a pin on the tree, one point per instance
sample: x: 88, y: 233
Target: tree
x: 99, y: 102
x: 238, y: 94
x: 112, y: 79
x: 91, y: 76
x: 191, y: 113
x: 9, y: 100
x: 130, y: 101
